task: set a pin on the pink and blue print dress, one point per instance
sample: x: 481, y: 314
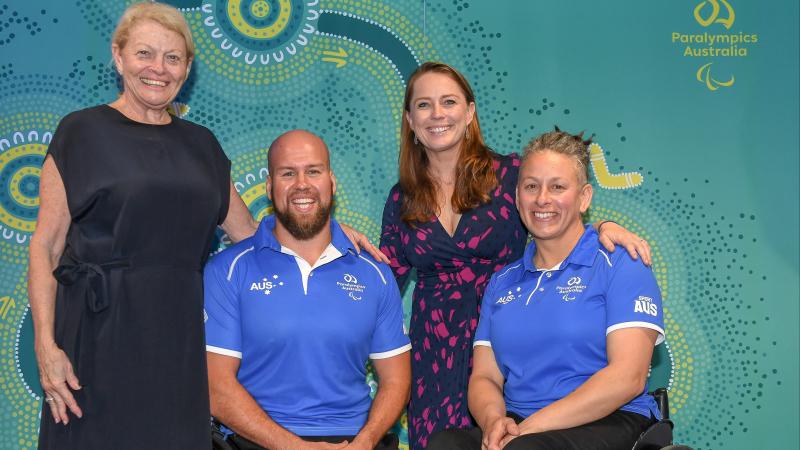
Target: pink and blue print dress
x: 452, y: 274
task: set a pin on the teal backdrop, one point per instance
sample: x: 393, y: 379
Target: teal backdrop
x: 694, y: 105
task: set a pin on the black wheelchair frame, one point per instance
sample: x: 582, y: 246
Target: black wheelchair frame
x: 659, y: 435
x: 218, y: 441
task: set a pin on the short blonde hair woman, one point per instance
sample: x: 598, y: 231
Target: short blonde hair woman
x: 130, y: 200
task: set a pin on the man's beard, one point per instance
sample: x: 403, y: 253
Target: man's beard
x: 304, y: 230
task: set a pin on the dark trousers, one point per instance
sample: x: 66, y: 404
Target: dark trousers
x: 617, y: 431
x: 389, y: 442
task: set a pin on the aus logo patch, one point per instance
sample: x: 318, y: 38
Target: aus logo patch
x: 508, y: 298
x: 645, y: 305
x: 266, y: 285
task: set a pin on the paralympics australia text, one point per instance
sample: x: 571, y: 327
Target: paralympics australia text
x: 709, y: 44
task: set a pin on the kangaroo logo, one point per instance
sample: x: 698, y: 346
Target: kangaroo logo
x: 714, y: 16
x: 704, y: 76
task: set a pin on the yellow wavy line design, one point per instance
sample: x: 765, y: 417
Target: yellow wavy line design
x: 606, y: 179
x: 267, y: 32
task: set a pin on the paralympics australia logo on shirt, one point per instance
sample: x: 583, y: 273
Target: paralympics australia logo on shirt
x: 351, y: 286
x: 569, y: 292
x: 645, y: 305
x: 266, y: 285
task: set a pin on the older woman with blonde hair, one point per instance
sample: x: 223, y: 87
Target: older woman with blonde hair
x: 130, y: 200
x: 452, y: 217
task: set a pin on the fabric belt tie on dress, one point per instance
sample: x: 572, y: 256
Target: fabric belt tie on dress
x: 94, y: 277
x: 89, y: 283
x: 77, y: 328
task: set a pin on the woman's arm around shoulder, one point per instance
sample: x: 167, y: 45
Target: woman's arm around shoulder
x: 611, y: 233
x: 239, y: 223
x: 391, y: 243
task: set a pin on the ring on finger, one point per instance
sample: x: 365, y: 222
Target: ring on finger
x: 49, y: 399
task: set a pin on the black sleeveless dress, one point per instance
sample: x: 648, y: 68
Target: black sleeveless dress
x: 144, y: 201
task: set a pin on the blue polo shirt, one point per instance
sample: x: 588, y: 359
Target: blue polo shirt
x: 547, y: 327
x: 303, y: 333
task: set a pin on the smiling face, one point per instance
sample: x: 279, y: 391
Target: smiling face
x: 300, y: 184
x: 153, y: 65
x: 551, y: 196
x: 438, y: 112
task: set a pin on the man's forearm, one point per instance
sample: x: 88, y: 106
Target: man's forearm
x: 232, y: 405
x: 391, y: 398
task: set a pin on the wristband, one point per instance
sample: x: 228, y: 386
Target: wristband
x: 603, y: 223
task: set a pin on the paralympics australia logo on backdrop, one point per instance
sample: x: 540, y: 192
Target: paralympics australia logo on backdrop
x: 350, y: 285
x: 714, y: 16
x: 715, y: 42
x: 573, y: 288
x: 266, y: 285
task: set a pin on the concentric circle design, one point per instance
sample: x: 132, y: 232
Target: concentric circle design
x: 255, y: 197
x: 20, y: 167
x: 260, y: 32
x: 25, y: 186
x: 260, y: 9
x: 251, y: 187
x: 28, y: 118
x: 276, y: 19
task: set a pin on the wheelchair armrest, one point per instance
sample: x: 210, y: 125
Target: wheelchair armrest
x: 662, y: 400
x: 656, y: 437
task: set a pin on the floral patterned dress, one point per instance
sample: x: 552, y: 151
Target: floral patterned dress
x: 452, y: 273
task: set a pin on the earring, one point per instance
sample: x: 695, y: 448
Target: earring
x: 466, y: 134
x: 416, y: 141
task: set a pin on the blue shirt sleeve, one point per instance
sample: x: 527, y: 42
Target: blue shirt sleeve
x: 483, y: 332
x: 633, y: 298
x: 390, y: 337
x: 223, y: 327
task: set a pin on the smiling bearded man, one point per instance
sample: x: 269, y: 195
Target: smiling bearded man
x: 306, y: 213
x: 293, y: 315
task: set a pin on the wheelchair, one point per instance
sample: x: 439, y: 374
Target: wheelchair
x: 659, y: 435
x: 218, y: 441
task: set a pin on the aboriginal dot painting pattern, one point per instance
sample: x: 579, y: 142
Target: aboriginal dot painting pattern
x: 704, y: 309
x: 338, y: 68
